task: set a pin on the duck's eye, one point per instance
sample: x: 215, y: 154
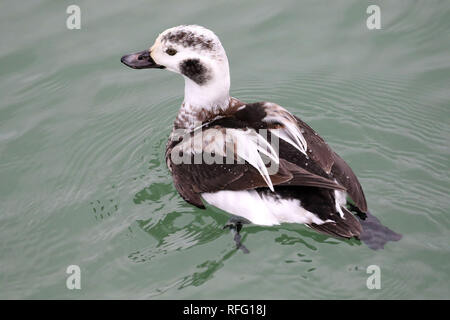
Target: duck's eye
x: 171, y: 51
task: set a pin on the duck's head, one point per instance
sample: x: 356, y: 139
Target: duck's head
x: 194, y: 52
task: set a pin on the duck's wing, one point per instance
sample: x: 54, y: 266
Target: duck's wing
x: 302, y: 158
x: 191, y: 180
x: 333, y: 164
x: 347, y: 178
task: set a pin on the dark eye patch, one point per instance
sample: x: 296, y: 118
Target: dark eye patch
x: 195, y: 70
x: 171, y: 51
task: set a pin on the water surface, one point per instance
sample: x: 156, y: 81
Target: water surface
x: 82, y: 138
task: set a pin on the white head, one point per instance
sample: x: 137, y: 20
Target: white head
x: 196, y: 53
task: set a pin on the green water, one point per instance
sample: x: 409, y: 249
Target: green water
x: 82, y: 138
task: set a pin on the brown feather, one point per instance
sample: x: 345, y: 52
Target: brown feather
x: 348, y: 227
x: 345, y: 176
x: 318, y: 150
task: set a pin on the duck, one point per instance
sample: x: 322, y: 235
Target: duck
x: 256, y: 161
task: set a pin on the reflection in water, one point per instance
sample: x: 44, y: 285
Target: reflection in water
x: 171, y: 235
x: 188, y: 227
x: 105, y: 208
x: 209, y: 268
x: 178, y: 230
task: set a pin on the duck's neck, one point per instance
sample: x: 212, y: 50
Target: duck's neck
x: 204, y: 102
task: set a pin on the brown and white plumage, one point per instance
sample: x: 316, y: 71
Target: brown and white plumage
x: 298, y: 173
x: 253, y: 160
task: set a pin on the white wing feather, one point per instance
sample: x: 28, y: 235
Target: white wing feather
x: 290, y: 133
x: 247, y: 144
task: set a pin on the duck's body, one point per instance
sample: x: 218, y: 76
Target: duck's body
x: 256, y: 161
x: 308, y: 188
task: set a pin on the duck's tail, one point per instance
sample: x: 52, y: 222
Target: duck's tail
x: 374, y: 234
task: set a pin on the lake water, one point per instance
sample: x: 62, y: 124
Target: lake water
x: 83, y: 179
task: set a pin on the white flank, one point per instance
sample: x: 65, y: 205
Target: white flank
x: 265, y: 210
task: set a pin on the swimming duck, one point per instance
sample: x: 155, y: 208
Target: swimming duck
x: 256, y: 161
